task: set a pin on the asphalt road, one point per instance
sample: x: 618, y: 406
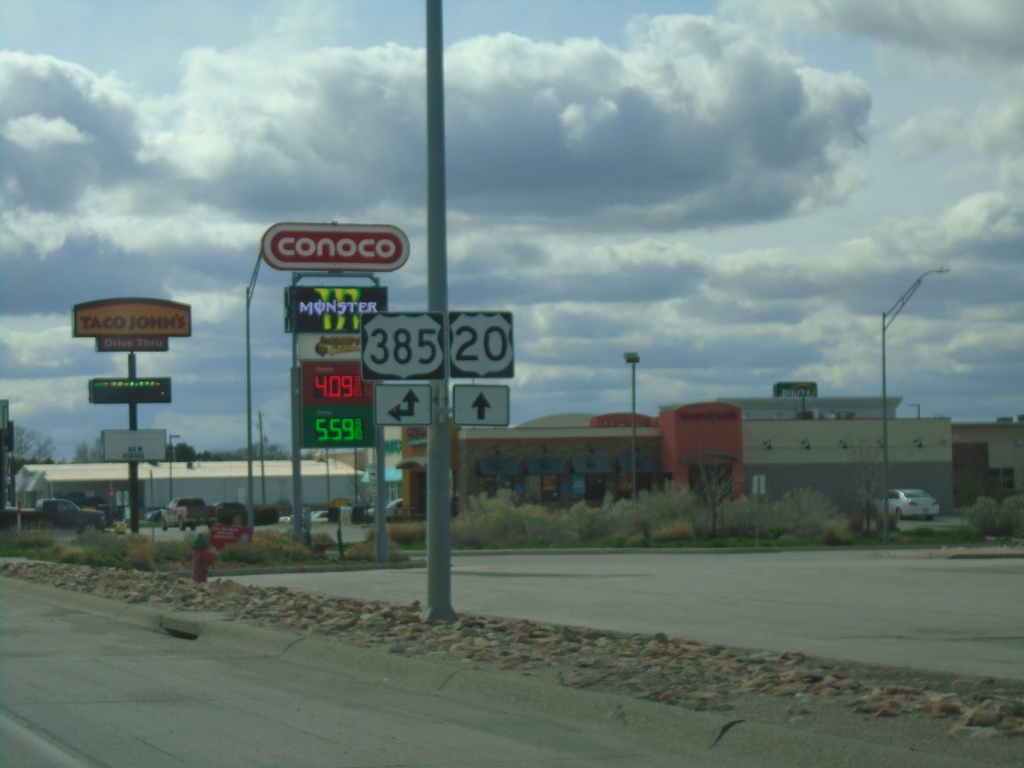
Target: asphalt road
x: 93, y: 682
x: 913, y: 608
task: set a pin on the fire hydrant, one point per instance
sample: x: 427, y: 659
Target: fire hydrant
x: 202, y: 558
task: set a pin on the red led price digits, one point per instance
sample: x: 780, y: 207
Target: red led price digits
x: 338, y: 387
x: 335, y: 384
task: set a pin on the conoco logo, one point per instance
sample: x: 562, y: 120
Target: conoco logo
x: 335, y: 247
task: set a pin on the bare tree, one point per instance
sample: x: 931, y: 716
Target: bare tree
x: 89, y: 454
x: 714, y: 485
x: 30, y: 447
x: 865, y: 479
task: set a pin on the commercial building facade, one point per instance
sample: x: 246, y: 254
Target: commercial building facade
x: 726, y: 448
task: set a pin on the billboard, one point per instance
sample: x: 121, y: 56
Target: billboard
x: 134, y: 444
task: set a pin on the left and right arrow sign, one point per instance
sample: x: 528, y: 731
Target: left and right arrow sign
x: 401, y: 404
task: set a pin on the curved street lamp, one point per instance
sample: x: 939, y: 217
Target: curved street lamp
x: 887, y: 318
x: 248, y: 390
x: 632, y: 358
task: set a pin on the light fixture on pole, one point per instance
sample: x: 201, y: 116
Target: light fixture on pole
x: 887, y: 318
x: 632, y: 358
x: 170, y: 467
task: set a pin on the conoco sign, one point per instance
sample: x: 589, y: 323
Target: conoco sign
x: 335, y: 247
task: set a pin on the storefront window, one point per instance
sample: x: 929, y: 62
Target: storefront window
x: 492, y: 485
x: 1001, y: 478
x: 540, y: 488
x: 591, y: 487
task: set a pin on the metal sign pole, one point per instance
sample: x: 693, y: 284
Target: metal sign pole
x: 439, y: 577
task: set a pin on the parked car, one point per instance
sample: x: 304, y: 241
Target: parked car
x: 393, y: 511
x: 910, y: 502
x: 229, y: 510
x: 155, y: 515
x: 189, y: 511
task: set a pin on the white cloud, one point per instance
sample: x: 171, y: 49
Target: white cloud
x: 975, y: 30
x: 33, y: 132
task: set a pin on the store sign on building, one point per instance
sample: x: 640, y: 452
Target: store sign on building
x: 795, y: 389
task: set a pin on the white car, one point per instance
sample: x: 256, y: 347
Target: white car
x: 910, y: 502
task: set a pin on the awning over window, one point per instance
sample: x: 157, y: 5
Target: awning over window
x: 412, y: 463
x: 643, y: 463
x: 498, y: 465
x: 591, y: 465
x: 545, y: 465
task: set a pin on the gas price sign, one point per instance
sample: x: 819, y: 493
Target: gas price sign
x: 335, y: 383
x: 332, y: 427
x: 337, y: 406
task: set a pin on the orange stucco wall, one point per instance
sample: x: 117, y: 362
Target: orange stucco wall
x: 702, y: 433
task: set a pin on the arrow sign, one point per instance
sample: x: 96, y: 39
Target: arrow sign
x: 480, y: 405
x: 408, y: 407
x: 402, y: 404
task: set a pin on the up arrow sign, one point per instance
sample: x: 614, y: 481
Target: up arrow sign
x: 401, y: 404
x: 480, y: 405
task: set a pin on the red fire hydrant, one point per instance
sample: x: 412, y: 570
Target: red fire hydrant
x: 202, y: 558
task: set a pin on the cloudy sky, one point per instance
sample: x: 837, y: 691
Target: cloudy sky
x: 736, y: 190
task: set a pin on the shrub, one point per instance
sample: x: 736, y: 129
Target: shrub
x: 836, y: 532
x: 139, y: 554
x: 267, y: 546
x: 994, y: 519
x: 743, y: 517
x: 500, y: 524
x: 171, y: 552
x: 31, y: 542
x: 405, y: 534
x: 366, y: 552
x: 673, y: 531
x: 803, y: 513
x: 593, y: 524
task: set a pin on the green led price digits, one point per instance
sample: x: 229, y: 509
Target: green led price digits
x: 338, y: 426
x: 339, y: 430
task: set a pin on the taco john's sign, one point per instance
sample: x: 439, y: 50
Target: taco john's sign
x: 132, y: 324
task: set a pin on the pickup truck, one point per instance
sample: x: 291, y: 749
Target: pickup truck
x: 190, y: 511
x: 55, y: 513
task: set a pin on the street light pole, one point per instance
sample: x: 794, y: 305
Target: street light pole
x: 887, y: 318
x: 632, y: 358
x: 248, y: 387
x: 170, y: 469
